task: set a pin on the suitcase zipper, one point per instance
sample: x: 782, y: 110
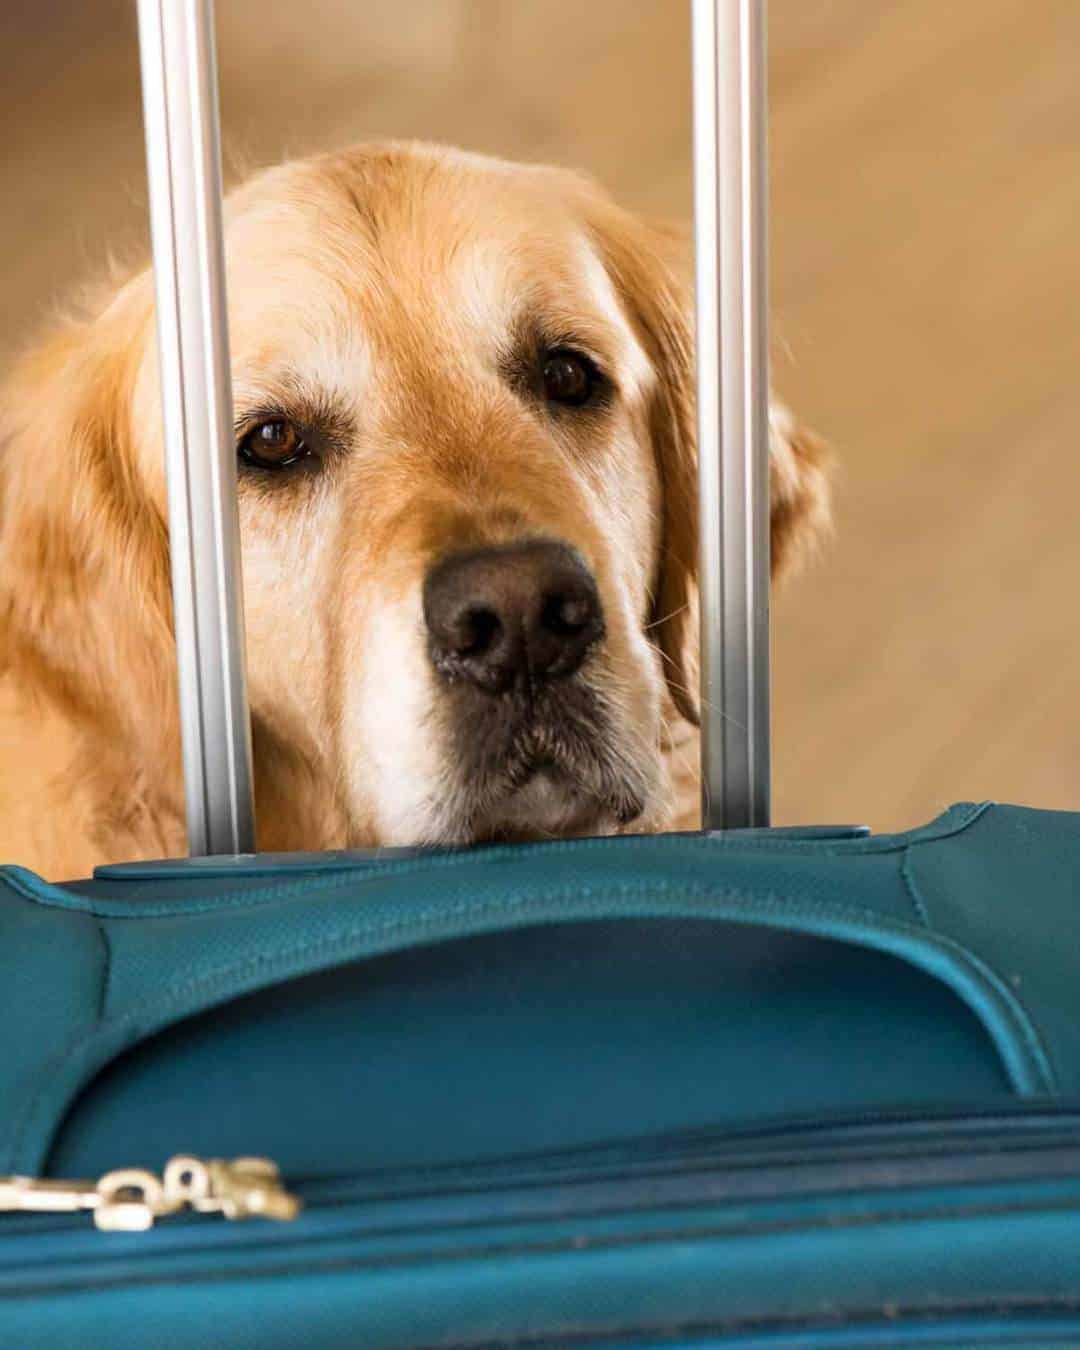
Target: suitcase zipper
x: 741, y: 1170
x: 131, y: 1199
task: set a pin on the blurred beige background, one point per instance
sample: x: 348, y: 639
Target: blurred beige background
x: 926, y: 298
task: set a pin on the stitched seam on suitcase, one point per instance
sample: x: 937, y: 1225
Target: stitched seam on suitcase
x: 1036, y: 1063
x: 907, y: 876
x: 32, y: 888
x: 106, y: 971
x: 309, y: 889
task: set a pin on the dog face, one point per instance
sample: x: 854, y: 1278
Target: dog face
x: 463, y: 395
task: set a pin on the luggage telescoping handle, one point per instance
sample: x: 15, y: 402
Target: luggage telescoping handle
x: 730, y: 217
x: 183, y: 158
x: 179, y: 79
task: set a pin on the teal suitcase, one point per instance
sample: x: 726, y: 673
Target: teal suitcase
x: 754, y: 1089
x: 749, y: 1087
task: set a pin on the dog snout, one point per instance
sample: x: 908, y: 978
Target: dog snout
x: 505, y: 616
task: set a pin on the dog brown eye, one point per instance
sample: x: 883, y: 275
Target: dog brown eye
x: 568, y: 379
x: 273, y: 445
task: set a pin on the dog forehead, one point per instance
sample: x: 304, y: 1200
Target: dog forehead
x: 550, y: 279
x: 455, y: 251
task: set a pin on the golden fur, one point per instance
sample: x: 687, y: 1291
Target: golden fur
x: 374, y: 293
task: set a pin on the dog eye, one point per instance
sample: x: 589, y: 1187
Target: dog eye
x: 274, y: 444
x: 569, y: 378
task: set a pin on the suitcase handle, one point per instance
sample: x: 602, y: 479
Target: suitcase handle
x: 179, y: 80
x: 730, y: 215
x: 183, y: 159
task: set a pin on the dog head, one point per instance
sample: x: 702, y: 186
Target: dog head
x: 464, y: 426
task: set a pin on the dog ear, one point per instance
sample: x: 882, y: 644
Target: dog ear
x: 800, y: 491
x: 652, y: 268
x: 85, y: 610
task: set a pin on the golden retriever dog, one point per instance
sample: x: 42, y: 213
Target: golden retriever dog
x: 464, y: 396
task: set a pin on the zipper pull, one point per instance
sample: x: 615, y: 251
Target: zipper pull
x: 243, y: 1188
x: 131, y: 1199
x: 47, y: 1196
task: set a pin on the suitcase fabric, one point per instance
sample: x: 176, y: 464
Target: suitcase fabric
x: 759, y: 1088
x: 751, y: 1088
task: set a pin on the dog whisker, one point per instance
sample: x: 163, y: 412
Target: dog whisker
x: 658, y: 623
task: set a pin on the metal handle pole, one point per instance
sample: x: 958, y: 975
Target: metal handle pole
x: 179, y: 79
x: 730, y: 186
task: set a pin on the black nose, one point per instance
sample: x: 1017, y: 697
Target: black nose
x: 502, y: 616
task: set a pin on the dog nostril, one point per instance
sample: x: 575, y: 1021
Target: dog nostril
x: 567, y: 614
x: 475, y: 630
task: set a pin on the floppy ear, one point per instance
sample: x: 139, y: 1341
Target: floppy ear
x: 800, y: 490
x: 85, y: 612
x: 652, y: 268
